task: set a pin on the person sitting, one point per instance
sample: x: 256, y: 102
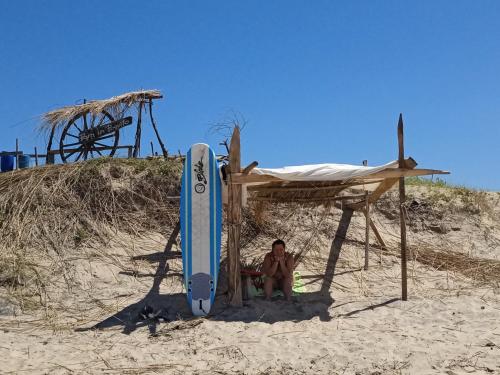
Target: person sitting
x: 278, y: 270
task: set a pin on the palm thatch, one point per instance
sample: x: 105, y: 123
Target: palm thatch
x: 116, y: 106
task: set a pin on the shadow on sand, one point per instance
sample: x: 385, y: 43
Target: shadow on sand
x: 174, y: 306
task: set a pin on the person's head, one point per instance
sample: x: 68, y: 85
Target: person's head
x: 278, y: 247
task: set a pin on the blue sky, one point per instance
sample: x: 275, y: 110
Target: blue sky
x: 315, y: 81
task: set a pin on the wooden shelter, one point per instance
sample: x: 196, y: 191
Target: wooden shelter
x: 267, y: 187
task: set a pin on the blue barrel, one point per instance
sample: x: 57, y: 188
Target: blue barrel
x: 24, y: 161
x: 6, y: 163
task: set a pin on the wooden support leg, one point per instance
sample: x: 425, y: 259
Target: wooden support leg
x: 402, y: 199
x: 162, y: 146
x: 234, y: 224
x: 379, y: 238
x: 49, y: 158
x: 377, y: 235
x: 137, y: 144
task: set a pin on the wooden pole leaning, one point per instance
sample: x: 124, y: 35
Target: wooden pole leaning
x: 234, y: 223
x: 49, y: 159
x: 402, y: 199
x: 162, y: 146
x: 367, y: 229
x: 379, y: 238
x: 137, y: 143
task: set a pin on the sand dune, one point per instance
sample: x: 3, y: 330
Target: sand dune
x: 354, y: 324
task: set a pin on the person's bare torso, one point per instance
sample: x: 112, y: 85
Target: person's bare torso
x: 279, y: 273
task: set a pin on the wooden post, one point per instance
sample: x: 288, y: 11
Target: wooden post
x: 367, y: 229
x: 36, y: 157
x: 137, y: 144
x: 234, y: 224
x: 152, y: 149
x: 49, y: 158
x: 249, y: 167
x: 17, y: 153
x: 402, y: 199
x: 162, y: 146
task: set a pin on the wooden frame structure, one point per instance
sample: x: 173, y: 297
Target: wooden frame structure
x: 114, y: 109
x: 274, y: 189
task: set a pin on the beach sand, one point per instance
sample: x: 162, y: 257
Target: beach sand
x: 352, y: 323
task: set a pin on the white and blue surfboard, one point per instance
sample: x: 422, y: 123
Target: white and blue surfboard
x: 201, y: 227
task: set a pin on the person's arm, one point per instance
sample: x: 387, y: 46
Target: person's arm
x: 287, y: 265
x: 270, y: 266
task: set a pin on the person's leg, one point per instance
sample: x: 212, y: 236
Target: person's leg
x: 268, y: 287
x: 286, y: 287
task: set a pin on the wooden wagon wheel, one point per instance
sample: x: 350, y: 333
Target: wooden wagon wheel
x: 74, y: 147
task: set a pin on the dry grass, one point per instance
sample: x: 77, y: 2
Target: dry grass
x: 484, y: 271
x: 46, y: 213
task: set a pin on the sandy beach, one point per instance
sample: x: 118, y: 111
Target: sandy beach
x: 355, y: 325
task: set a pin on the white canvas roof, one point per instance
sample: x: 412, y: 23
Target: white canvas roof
x: 322, y: 172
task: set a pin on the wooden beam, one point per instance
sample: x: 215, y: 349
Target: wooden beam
x: 384, y: 186
x: 402, y: 199
x: 314, y: 199
x: 404, y: 172
x: 240, y: 178
x: 377, y: 235
x: 249, y: 167
x: 100, y: 148
x: 286, y: 188
x: 234, y: 223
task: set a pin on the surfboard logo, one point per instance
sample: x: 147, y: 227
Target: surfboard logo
x: 200, y: 176
x: 199, y: 188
